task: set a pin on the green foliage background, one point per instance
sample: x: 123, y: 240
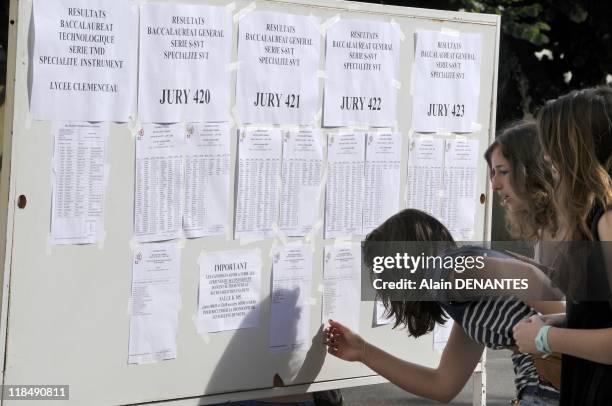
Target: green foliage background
x: 577, y: 34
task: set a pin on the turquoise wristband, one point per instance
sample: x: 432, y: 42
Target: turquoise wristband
x: 541, y: 340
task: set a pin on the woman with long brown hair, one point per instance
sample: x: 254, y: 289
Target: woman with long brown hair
x: 479, y: 321
x: 521, y: 179
x: 575, y: 132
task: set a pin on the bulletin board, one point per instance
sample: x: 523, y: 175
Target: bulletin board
x: 66, y: 308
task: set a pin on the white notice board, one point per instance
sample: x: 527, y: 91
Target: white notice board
x: 66, y: 308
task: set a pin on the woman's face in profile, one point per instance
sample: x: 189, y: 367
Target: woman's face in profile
x: 501, y: 180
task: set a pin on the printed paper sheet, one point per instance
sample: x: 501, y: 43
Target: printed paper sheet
x: 290, y: 297
x: 207, y: 179
x: 184, y: 56
x: 278, y: 57
x: 259, y: 172
x: 79, y: 182
x: 382, y: 178
x: 446, y: 82
x: 158, y: 213
x: 342, y: 284
x: 301, y: 182
x: 362, y: 61
x: 155, y: 299
x: 84, y: 62
x: 425, y: 170
x: 229, y: 294
x: 345, y: 184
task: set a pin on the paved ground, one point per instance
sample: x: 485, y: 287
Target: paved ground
x: 500, y: 388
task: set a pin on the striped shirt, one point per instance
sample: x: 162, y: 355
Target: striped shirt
x: 490, y: 321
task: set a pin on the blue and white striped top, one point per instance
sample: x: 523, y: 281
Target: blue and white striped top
x: 489, y: 321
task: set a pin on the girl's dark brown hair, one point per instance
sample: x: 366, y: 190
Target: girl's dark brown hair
x: 530, y: 176
x: 410, y: 225
x: 575, y: 131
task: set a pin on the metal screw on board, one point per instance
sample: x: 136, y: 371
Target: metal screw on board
x: 22, y: 201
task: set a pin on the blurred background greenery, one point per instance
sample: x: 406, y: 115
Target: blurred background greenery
x: 547, y: 48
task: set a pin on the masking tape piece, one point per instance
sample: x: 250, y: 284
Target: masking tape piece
x: 101, y: 239
x: 133, y: 127
x: 328, y: 23
x: 232, y: 66
x: 240, y: 14
x: 343, y: 240
x: 250, y: 240
x: 449, y: 31
x: 412, y: 69
x: 289, y: 127
x: 203, y: 253
x: 318, y: 116
x: 397, y: 27
x: 106, y: 174
x: 204, y: 335
x: 130, y: 305
x: 234, y: 113
x: 314, y: 20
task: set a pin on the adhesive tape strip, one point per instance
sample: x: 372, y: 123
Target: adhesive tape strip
x: 328, y: 23
x: 232, y: 66
x: 449, y: 31
x: 397, y: 27
x: 240, y: 14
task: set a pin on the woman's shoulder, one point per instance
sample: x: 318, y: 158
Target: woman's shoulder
x: 604, y: 225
